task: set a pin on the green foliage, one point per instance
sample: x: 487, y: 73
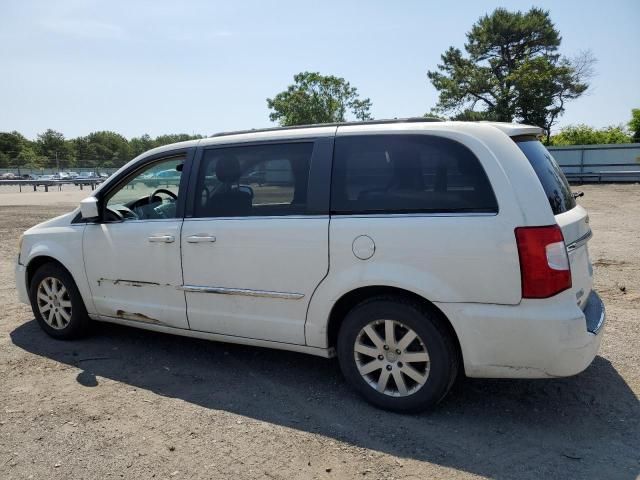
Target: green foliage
x: 469, y: 115
x: 511, y: 71
x: 316, y: 98
x: 103, y: 149
x: 140, y: 145
x: 11, y: 143
x: 52, y: 145
x: 634, y: 124
x: 29, y: 158
x: 586, y: 135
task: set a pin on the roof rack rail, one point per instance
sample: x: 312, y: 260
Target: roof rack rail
x: 335, y: 124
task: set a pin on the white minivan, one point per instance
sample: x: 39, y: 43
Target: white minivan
x: 414, y: 250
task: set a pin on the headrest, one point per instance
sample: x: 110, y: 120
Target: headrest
x: 228, y: 169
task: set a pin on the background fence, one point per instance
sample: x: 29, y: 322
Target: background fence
x: 599, y: 163
x: 52, y: 170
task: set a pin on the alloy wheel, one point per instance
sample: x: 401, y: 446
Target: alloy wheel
x: 54, y: 303
x: 391, y: 358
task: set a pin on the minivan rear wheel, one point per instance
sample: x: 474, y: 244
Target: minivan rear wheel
x: 57, y: 304
x: 397, y: 354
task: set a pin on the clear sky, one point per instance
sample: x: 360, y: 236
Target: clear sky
x: 158, y: 66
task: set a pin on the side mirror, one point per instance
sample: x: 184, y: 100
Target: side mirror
x: 89, y: 208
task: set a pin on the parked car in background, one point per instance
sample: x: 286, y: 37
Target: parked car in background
x: 8, y: 176
x: 412, y: 250
x: 73, y: 175
x: 85, y: 178
x: 46, y: 179
x: 164, y: 177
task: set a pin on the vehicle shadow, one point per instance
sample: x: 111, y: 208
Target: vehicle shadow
x: 586, y: 426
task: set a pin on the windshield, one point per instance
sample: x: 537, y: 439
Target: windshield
x: 551, y: 178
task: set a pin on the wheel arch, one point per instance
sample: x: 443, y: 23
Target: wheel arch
x: 38, y: 261
x: 352, y: 298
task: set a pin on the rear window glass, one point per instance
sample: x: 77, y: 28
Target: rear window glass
x: 551, y: 178
x: 407, y: 174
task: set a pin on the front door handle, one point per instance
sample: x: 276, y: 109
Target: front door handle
x: 201, y: 238
x: 162, y: 238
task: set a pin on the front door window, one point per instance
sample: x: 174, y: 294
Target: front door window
x: 152, y: 193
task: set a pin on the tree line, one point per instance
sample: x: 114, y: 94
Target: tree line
x: 97, y: 150
x: 510, y: 71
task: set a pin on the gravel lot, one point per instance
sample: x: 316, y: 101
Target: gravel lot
x: 134, y: 404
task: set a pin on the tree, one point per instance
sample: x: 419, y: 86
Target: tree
x: 173, y: 138
x: 29, y: 158
x: 634, y: 124
x: 107, y: 149
x: 512, y: 71
x: 11, y: 143
x: 586, y: 135
x: 316, y: 98
x: 361, y: 109
x: 139, y: 145
x: 52, y: 145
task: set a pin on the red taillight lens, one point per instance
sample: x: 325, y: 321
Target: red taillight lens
x: 544, y: 265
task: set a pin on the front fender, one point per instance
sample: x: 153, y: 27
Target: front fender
x: 64, y: 245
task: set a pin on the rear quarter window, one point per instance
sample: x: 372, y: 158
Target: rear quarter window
x: 553, y: 181
x: 399, y: 173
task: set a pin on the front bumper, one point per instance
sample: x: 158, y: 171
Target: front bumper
x: 21, y: 283
x: 535, y: 339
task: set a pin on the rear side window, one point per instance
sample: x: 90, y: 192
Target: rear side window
x: 407, y: 174
x: 551, y: 178
x: 254, y: 180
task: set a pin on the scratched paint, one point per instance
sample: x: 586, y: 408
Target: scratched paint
x: 128, y: 283
x: 138, y: 317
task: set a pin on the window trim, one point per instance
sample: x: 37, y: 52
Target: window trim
x: 124, y: 176
x: 117, y: 188
x: 318, y: 192
x: 416, y: 212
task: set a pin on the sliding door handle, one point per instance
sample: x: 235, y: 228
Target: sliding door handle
x: 201, y: 238
x: 162, y: 238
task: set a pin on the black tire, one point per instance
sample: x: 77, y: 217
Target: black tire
x: 434, y: 336
x: 78, y: 325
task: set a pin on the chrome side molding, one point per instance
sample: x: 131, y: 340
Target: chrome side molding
x: 579, y: 242
x: 241, y: 291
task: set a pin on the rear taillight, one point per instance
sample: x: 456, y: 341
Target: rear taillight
x: 544, y: 265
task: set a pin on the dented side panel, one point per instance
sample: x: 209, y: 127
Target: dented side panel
x: 133, y: 278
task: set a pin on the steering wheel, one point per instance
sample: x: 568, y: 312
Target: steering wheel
x: 161, y: 190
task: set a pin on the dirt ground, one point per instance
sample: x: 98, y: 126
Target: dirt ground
x: 127, y: 403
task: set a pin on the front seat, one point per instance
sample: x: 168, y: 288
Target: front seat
x: 229, y: 200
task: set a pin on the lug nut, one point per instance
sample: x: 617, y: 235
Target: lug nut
x: 398, y: 351
x: 400, y: 364
x: 380, y: 357
x: 386, y: 347
x: 389, y: 367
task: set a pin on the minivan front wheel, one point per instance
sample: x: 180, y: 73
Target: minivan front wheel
x: 397, y: 354
x: 57, y: 304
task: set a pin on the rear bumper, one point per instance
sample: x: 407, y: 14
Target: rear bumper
x: 535, y: 339
x: 21, y: 283
x: 594, y: 313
